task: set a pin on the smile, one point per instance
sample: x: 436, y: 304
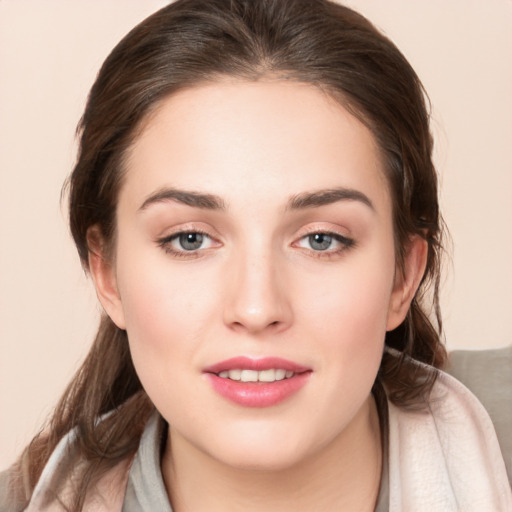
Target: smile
x: 270, y: 375
x: 260, y: 382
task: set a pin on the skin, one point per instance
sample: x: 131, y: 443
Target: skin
x: 258, y: 287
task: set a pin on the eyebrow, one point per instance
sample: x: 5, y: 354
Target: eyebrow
x: 194, y: 199
x: 297, y: 202
x: 327, y: 196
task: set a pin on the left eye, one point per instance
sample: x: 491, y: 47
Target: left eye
x: 324, y: 242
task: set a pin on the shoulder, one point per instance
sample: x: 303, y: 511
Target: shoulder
x: 9, y: 501
x: 446, y: 456
x: 61, y: 474
x: 488, y: 375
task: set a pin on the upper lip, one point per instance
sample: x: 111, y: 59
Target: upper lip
x: 258, y: 364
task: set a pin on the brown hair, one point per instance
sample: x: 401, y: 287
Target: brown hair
x: 193, y: 41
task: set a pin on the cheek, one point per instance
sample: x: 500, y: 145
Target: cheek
x: 167, y: 310
x: 350, y: 303
x: 347, y: 316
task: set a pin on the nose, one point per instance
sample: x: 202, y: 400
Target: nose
x: 258, y: 299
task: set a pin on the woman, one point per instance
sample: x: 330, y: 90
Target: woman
x: 256, y: 203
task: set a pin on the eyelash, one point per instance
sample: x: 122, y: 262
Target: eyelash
x: 165, y: 244
x: 345, y: 242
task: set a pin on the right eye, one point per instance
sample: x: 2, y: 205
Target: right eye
x: 190, y: 241
x: 186, y: 243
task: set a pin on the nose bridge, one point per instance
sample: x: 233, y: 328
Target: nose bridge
x: 258, y: 296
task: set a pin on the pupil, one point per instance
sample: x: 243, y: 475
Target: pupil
x: 320, y: 242
x: 191, y: 241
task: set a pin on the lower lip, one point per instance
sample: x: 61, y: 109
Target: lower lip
x: 258, y: 394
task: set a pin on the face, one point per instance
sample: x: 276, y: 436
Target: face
x: 254, y: 269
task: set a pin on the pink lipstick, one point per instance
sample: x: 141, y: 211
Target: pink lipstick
x: 257, y: 382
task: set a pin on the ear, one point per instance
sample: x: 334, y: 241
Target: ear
x: 104, y: 277
x: 407, y: 281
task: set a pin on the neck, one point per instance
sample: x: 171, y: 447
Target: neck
x: 344, y: 475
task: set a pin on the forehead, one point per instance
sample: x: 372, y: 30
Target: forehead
x: 241, y: 140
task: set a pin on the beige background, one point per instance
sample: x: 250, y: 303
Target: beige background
x: 50, y: 51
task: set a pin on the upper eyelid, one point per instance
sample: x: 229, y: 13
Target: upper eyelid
x: 188, y: 228
x: 324, y: 230
x: 320, y: 230
x: 179, y: 232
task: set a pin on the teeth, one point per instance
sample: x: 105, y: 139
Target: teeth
x: 281, y: 374
x: 255, y: 376
x: 235, y: 374
x: 249, y: 376
x: 267, y: 376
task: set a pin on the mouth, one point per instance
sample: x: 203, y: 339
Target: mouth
x: 257, y: 382
x: 270, y: 375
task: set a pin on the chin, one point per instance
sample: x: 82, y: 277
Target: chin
x: 262, y: 458
x: 262, y: 448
